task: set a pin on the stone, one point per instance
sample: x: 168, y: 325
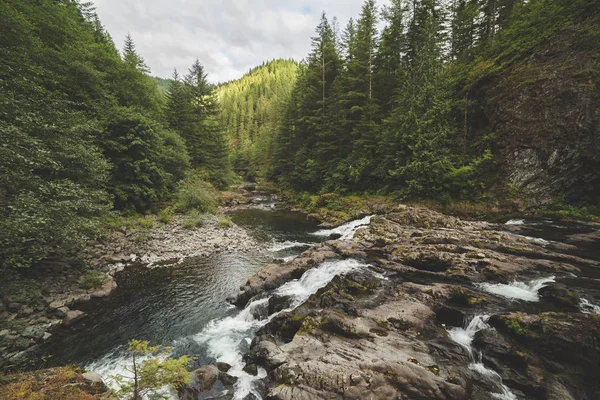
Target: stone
x: 26, y: 311
x: 205, y: 377
x: 15, y: 307
x: 222, y: 366
x: 35, y: 332
x: 73, y: 317
x: 251, y: 369
x: 56, y: 304
x: 227, y: 379
x: 93, y: 378
x: 62, y: 312
x: 107, y: 288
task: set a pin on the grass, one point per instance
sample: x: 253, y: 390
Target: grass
x: 194, y: 219
x: 164, y: 216
x: 225, y: 222
x: 64, y: 383
x: 93, y: 280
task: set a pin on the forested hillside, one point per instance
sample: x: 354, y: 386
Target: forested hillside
x: 84, y: 129
x: 450, y: 101
x: 251, y: 109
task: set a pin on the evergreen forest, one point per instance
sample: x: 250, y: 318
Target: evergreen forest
x: 395, y: 103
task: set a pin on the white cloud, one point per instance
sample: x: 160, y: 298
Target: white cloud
x: 228, y: 37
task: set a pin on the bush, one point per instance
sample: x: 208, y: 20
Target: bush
x: 193, y: 220
x: 225, y: 222
x: 164, y: 216
x: 151, y: 375
x: 196, y: 194
x: 93, y: 280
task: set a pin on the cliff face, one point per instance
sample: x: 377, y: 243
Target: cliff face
x: 545, y: 113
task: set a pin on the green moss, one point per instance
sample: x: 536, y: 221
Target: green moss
x: 514, y: 324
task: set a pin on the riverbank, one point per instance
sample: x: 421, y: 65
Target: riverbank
x: 417, y: 319
x: 37, y: 303
x: 333, y: 209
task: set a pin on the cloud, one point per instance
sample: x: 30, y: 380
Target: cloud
x: 229, y: 37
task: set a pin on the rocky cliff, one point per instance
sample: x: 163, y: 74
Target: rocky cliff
x: 544, y: 111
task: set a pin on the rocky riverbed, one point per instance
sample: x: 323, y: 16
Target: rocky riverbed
x: 431, y: 307
x: 48, y: 301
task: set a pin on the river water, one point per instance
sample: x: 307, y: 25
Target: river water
x: 185, y: 306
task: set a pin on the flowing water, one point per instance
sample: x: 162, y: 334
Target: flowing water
x: 185, y: 306
x: 464, y: 336
x: 526, y: 291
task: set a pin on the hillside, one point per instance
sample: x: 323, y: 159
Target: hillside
x: 251, y: 110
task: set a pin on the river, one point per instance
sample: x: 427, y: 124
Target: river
x: 185, y: 306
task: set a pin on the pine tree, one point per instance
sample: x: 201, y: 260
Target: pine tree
x: 389, y: 67
x: 132, y: 58
x: 464, y: 29
x: 420, y: 125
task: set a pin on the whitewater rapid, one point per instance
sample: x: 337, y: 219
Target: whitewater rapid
x: 464, y: 337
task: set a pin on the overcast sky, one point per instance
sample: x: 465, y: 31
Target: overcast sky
x: 228, y: 36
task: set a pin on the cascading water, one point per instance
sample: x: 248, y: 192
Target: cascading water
x: 518, y: 290
x: 288, y: 244
x: 227, y: 339
x: 347, y: 230
x: 588, y: 308
x: 464, y: 337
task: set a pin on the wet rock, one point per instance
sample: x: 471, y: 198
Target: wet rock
x: 560, y: 296
x: 73, y: 317
x: 251, y: 369
x: 205, y: 377
x: 227, y: 379
x: 222, y: 366
x: 107, y: 288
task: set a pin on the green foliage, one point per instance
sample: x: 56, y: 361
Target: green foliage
x: 19, y: 289
x: 150, y: 372
x: 225, y: 222
x: 250, y: 111
x: 195, y: 193
x: 193, y: 219
x: 92, y: 279
x: 164, y: 215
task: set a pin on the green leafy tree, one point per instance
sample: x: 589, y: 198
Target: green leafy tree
x: 151, y: 372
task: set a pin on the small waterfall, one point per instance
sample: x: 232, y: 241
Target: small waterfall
x: 518, y: 290
x: 227, y: 339
x: 516, y: 222
x: 280, y: 246
x: 464, y: 337
x: 346, y: 230
x: 588, y: 308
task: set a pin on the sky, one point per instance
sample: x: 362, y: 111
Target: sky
x: 229, y: 37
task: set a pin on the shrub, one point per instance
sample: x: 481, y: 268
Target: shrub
x: 164, y: 216
x: 193, y: 220
x: 195, y: 194
x: 149, y: 374
x: 225, y: 222
x: 93, y: 279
